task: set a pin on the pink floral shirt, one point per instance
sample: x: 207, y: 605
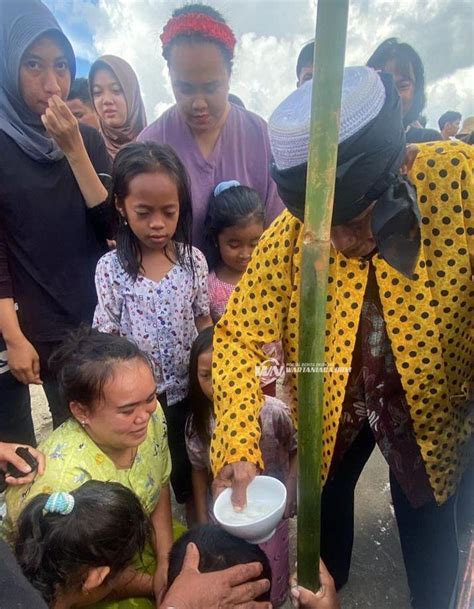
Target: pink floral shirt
x: 158, y: 316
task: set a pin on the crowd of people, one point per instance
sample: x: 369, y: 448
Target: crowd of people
x: 149, y: 273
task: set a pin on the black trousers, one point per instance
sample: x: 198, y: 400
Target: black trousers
x: 428, y: 534
x: 16, y: 423
x: 181, y: 469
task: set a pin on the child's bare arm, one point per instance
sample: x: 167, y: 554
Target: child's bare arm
x: 200, y: 491
x: 163, y: 525
x: 202, y: 322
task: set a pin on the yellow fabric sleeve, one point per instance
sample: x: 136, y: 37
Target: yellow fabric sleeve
x: 257, y: 313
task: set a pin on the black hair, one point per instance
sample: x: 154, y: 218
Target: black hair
x: 305, y: 58
x: 147, y: 157
x: 218, y: 550
x: 200, y: 404
x: 80, y: 90
x: 235, y: 99
x: 86, y: 360
x: 198, y: 37
x: 107, y: 527
x: 408, y: 62
x: 237, y: 205
x: 448, y: 117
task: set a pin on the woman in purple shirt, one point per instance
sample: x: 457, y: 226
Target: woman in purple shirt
x: 216, y: 140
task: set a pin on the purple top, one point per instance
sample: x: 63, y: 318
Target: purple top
x: 242, y: 152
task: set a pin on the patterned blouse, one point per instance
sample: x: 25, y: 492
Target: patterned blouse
x: 428, y: 322
x: 158, y: 316
x: 72, y: 458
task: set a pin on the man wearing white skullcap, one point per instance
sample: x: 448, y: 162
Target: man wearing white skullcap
x: 398, y: 340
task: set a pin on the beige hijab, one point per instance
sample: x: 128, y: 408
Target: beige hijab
x: 114, y: 137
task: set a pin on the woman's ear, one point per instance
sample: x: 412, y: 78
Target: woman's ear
x: 94, y: 579
x: 79, y: 412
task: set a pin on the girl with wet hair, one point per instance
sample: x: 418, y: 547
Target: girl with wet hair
x: 153, y: 287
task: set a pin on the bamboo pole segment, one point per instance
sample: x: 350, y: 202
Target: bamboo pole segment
x: 331, y: 28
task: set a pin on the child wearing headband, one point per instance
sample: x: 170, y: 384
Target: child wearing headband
x: 234, y: 225
x: 71, y: 546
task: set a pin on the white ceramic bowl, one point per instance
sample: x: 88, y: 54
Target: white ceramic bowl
x: 266, y: 500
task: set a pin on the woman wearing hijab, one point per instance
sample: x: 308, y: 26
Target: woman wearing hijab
x: 117, y: 100
x: 52, y: 222
x: 398, y: 349
x: 216, y: 140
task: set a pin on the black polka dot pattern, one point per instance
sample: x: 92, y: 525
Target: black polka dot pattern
x: 429, y: 323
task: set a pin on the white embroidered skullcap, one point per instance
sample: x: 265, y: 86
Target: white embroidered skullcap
x: 363, y: 95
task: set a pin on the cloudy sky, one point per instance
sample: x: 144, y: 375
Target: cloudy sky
x: 270, y: 34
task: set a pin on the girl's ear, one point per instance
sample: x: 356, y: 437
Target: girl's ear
x: 94, y: 579
x: 119, y: 206
x: 79, y: 412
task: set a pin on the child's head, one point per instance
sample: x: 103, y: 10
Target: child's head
x: 150, y: 191
x: 234, y: 224
x: 200, y: 381
x: 67, y: 544
x: 109, y: 386
x: 218, y: 550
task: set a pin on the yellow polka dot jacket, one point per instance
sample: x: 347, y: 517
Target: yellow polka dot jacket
x: 428, y: 321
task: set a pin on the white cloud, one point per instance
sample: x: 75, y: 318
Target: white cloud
x: 270, y: 34
x: 454, y: 92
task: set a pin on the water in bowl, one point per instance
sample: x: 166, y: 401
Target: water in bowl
x: 252, y: 512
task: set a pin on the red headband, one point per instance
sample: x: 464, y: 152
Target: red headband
x: 198, y: 22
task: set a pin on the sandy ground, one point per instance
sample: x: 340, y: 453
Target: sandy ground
x: 377, y: 574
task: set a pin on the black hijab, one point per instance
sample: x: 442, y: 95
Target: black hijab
x: 368, y: 166
x: 23, y: 22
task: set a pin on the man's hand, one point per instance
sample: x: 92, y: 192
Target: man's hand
x: 324, y: 598
x: 237, y: 476
x: 62, y: 125
x: 23, y: 361
x: 233, y: 588
x: 8, y: 455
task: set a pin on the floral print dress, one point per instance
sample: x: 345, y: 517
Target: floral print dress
x: 158, y: 316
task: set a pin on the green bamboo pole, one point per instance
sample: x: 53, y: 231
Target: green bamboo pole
x: 331, y: 28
